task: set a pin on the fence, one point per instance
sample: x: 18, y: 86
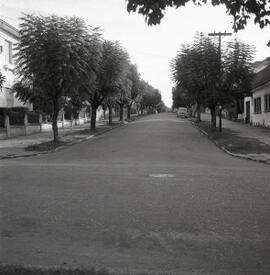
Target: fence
x: 24, y: 123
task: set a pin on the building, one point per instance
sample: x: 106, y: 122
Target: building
x: 257, y: 106
x: 9, y: 36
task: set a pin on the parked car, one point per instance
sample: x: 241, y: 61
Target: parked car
x: 182, y: 112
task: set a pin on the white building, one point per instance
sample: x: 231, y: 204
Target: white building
x: 9, y: 36
x: 257, y: 106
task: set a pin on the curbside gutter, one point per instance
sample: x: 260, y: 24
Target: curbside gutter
x: 225, y: 150
x: 60, y: 148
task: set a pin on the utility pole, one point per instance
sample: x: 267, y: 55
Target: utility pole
x: 219, y: 34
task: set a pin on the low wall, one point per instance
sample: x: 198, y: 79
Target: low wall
x: 14, y: 131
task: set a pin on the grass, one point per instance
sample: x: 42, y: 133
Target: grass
x: 234, y: 143
x: 46, y: 146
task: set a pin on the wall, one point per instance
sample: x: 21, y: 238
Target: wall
x: 7, y: 66
x: 262, y: 119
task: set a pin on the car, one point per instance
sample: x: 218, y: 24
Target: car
x: 182, y: 112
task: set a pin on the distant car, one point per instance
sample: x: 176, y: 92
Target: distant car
x: 182, y: 112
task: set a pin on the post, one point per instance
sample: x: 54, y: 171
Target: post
x: 220, y: 118
x: 71, y: 118
x: 220, y: 34
x: 40, y: 121
x: 84, y: 117
x: 63, y: 119
x: 25, y: 122
x: 7, y: 125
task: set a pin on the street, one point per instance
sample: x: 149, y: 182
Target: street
x: 152, y: 196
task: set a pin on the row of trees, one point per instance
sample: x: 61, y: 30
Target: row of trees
x: 206, y: 76
x: 63, y: 62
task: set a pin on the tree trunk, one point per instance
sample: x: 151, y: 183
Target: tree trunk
x: 93, y: 117
x: 198, y: 113
x: 54, y: 119
x: 104, y: 112
x: 121, y: 111
x: 128, y: 111
x: 110, y: 114
x: 213, y: 118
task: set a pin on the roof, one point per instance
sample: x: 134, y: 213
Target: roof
x: 9, y: 29
x: 261, y: 78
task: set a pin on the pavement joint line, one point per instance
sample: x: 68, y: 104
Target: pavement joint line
x: 226, y: 150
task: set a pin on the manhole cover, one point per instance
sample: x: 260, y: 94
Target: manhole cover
x: 162, y: 176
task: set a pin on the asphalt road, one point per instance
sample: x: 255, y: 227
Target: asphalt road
x: 102, y: 203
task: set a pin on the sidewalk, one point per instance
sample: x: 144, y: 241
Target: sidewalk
x: 240, y: 140
x: 21, y: 146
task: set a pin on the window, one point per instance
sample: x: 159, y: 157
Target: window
x: 257, y: 105
x: 267, y: 103
x: 8, y: 52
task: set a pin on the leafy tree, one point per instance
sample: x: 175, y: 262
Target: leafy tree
x: 151, y: 97
x: 188, y: 74
x: 134, y: 91
x: 52, y: 60
x: 111, y: 70
x: 196, y: 69
x: 2, y: 80
x: 124, y: 90
x: 180, y: 97
x: 209, y: 78
x: 238, y: 71
x: 161, y: 107
x: 154, y: 10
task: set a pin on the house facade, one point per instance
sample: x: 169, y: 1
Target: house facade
x: 257, y: 106
x: 9, y: 36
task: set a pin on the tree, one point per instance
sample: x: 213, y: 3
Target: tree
x: 134, y: 91
x: 239, y: 71
x: 111, y: 70
x: 2, y: 80
x: 211, y: 79
x: 197, y: 70
x: 122, y: 96
x: 161, y: 107
x: 154, y: 10
x: 180, y: 97
x: 51, y: 60
x: 151, y: 97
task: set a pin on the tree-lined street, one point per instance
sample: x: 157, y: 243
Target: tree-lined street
x: 154, y: 195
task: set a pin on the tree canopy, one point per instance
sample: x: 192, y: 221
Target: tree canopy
x: 207, y: 77
x: 52, y: 59
x: 154, y: 10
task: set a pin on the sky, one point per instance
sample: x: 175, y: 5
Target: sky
x: 150, y: 47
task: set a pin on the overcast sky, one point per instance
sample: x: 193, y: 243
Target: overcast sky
x: 151, y: 48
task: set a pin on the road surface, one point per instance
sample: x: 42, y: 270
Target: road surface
x: 153, y: 196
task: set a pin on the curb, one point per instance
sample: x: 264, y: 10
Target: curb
x: 227, y: 151
x: 69, y: 144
